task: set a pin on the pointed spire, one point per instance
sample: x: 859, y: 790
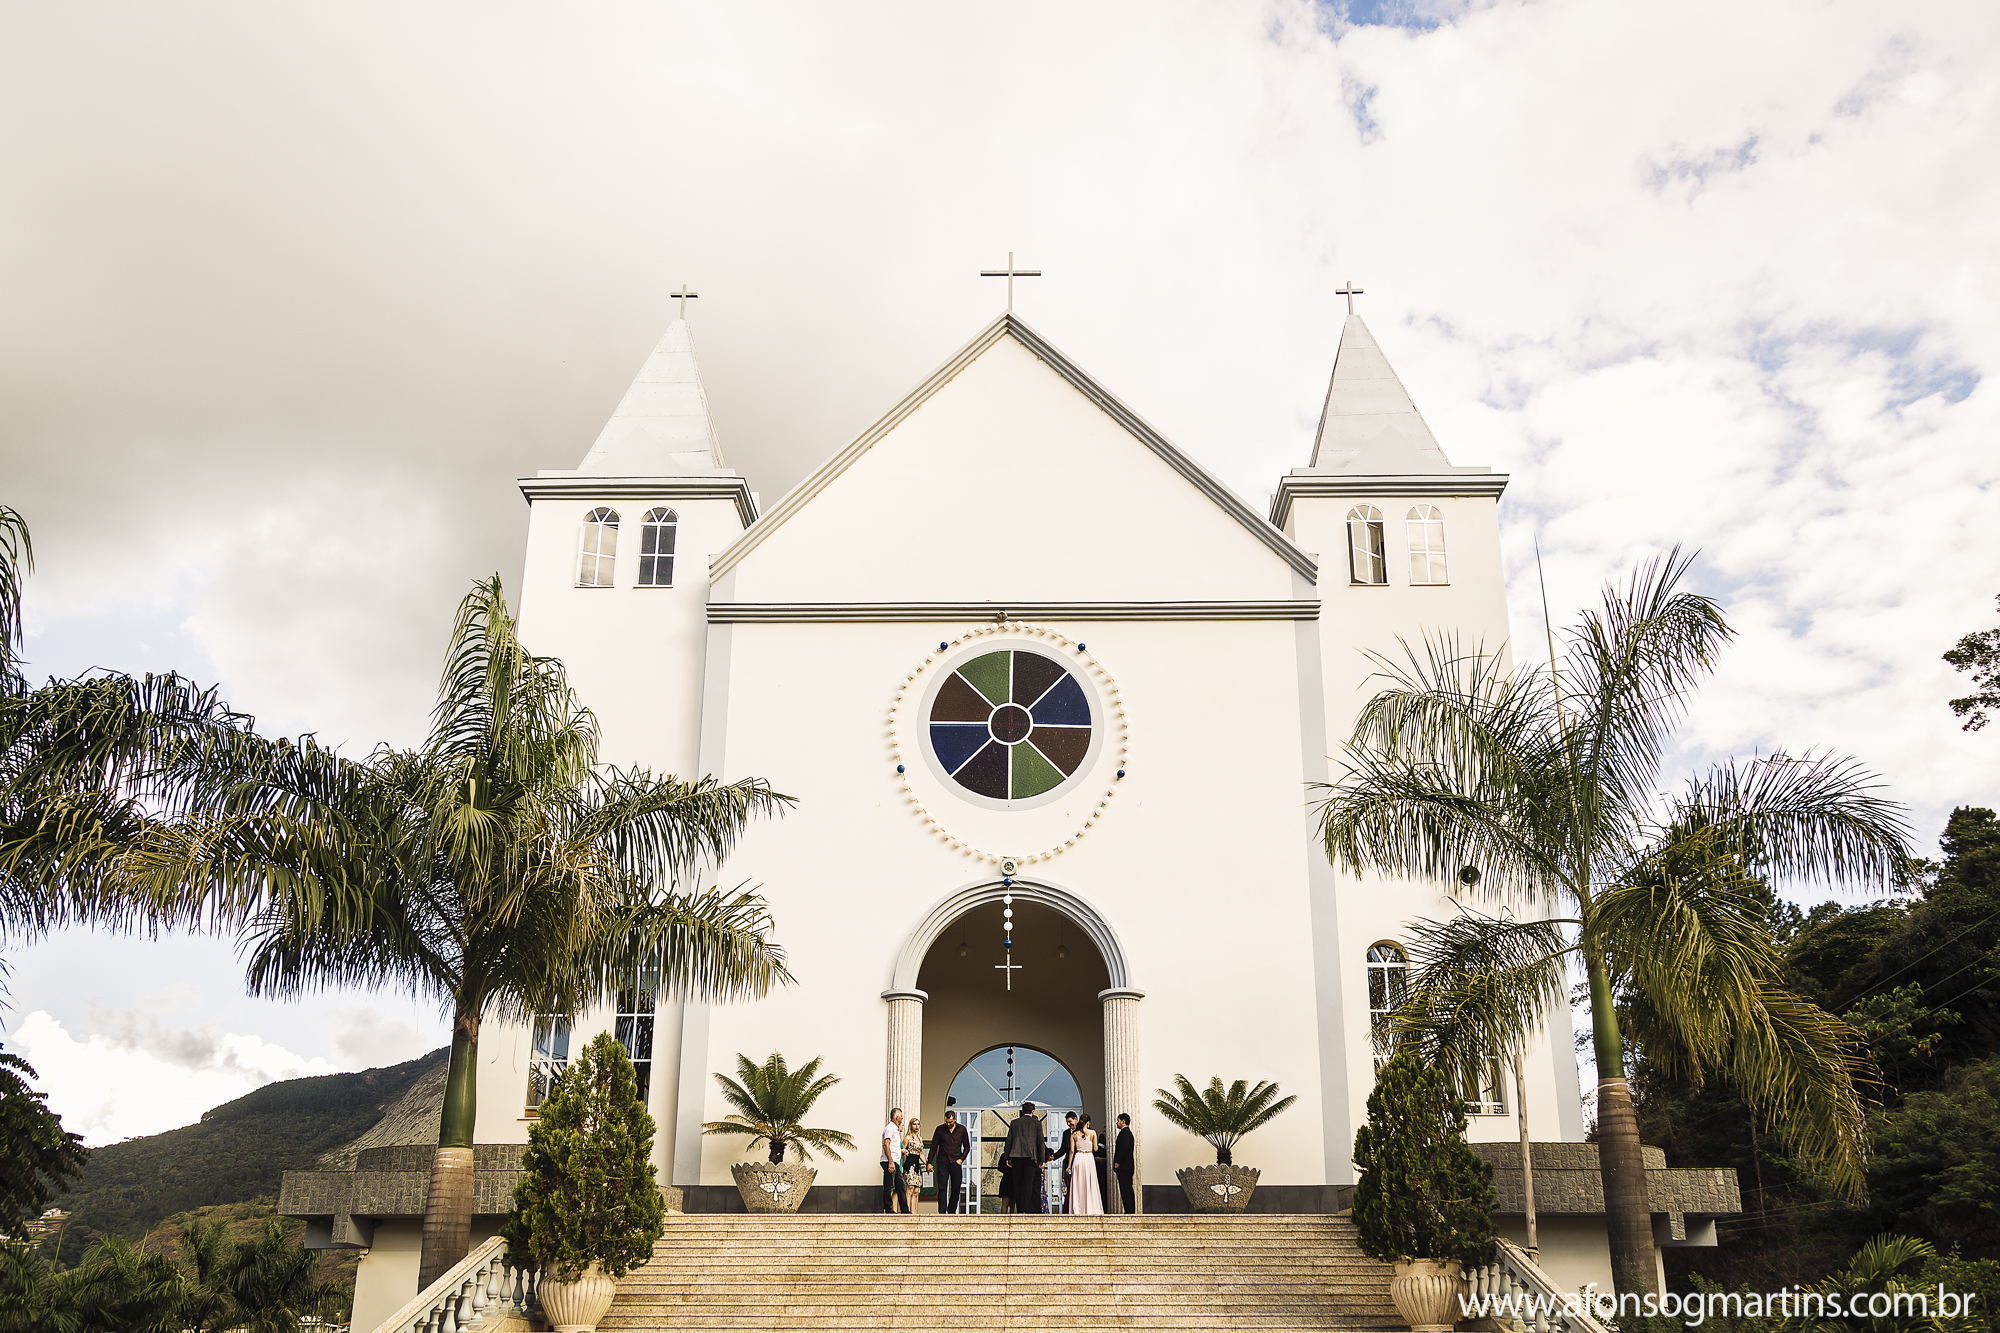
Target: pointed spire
x: 1369, y: 425
x: 662, y: 426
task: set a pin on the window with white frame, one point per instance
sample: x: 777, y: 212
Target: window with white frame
x: 634, y: 1024
x: 1388, y: 988
x: 548, y: 1056
x: 656, y: 548
x: 597, y: 548
x: 1365, y: 559
x: 1487, y: 1098
x: 1425, y: 526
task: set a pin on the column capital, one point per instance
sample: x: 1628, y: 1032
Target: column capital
x: 1121, y: 993
x: 917, y: 995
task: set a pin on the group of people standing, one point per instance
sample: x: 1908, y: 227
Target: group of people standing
x: 1024, y: 1183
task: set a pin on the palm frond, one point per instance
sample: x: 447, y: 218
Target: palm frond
x: 17, y: 558
x: 1222, y: 1116
x: 1480, y: 986
x: 1814, y: 818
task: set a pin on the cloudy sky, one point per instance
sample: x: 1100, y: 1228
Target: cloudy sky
x: 293, y: 293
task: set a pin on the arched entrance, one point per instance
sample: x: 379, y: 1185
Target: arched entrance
x: 1064, y: 989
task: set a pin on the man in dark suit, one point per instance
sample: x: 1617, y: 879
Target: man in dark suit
x: 949, y: 1147
x: 1064, y: 1153
x: 1122, y: 1161
x: 1021, y: 1157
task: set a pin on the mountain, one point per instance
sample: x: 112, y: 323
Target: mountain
x: 237, y: 1152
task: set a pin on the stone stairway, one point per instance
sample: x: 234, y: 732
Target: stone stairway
x: 836, y: 1271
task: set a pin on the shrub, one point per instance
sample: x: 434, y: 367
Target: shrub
x: 1422, y: 1192
x: 772, y: 1103
x: 587, y: 1192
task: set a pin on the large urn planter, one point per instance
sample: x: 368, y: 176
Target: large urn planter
x: 1218, y: 1189
x: 575, y: 1307
x: 1426, y: 1294
x: 773, y: 1187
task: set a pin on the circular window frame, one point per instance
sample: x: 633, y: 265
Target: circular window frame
x: 913, y: 689
x: 947, y: 665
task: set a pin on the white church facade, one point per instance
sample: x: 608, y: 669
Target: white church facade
x: 1020, y: 659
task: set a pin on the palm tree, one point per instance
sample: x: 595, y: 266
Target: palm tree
x: 1544, y: 782
x: 271, y: 1283
x: 1221, y: 1117
x: 496, y: 869
x: 75, y: 758
x: 772, y: 1103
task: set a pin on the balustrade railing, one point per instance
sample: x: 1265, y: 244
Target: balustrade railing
x: 1516, y: 1294
x: 482, y: 1289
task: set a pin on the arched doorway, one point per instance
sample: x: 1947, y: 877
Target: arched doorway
x: 988, y: 1095
x: 1041, y: 994
x: 1063, y: 989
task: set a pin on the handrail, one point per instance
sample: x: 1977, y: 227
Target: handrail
x: 1530, y: 1297
x: 486, y: 1282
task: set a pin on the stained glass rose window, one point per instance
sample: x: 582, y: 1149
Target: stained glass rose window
x: 1010, y: 724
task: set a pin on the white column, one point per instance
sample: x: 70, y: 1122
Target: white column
x: 906, y: 1050
x: 1122, y: 1093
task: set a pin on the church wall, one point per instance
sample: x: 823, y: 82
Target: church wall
x: 1009, y: 484
x: 634, y: 654
x: 1195, y: 865
x: 1373, y: 618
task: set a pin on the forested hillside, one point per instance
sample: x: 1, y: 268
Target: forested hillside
x: 236, y: 1153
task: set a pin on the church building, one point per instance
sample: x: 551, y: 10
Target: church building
x: 1052, y: 701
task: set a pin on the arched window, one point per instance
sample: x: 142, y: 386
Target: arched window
x: 1365, y: 563
x: 1425, y: 526
x: 597, y: 548
x: 1388, y: 987
x: 548, y: 1056
x: 1010, y: 1075
x: 656, y: 548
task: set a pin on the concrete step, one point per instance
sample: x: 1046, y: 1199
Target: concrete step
x: 826, y: 1272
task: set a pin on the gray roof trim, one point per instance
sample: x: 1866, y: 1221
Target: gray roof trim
x: 1293, y: 486
x: 643, y: 488
x: 797, y: 613
x: 1007, y: 325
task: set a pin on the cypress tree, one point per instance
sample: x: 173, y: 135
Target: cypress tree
x: 588, y: 1190
x: 1422, y: 1193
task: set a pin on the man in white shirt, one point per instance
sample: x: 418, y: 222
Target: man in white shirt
x: 892, y: 1164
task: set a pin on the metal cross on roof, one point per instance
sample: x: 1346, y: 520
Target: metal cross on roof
x: 684, y: 296
x: 1350, y: 291
x: 1010, y: 273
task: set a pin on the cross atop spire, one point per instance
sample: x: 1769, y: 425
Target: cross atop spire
x: 1010, y: 273
x: 684, y: 296
x: 1350, y: 291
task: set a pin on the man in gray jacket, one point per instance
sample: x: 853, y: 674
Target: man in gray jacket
x: 1022, y: 1156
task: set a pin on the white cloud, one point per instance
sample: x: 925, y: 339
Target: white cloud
x: 308, y: 290
x: 369, y: 1039
x: 139, y: 1079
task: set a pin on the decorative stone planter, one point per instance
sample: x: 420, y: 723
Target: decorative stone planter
x: 671, y: 1196
x: 1426, y: 1294
x: 773, y: 1187
x: 1218, y: 1189
x: 575, y: 1307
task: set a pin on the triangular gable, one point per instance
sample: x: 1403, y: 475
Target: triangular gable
x: 1007, y: 325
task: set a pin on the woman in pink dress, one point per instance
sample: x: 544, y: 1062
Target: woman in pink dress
x: 1084, y: 1197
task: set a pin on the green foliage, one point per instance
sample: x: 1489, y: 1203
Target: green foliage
x: 38, y: 1156
x: 1220, y: 1116
x: 1900, y: 1029
x: 587, y: 1192
x: 116, y: 1289
x: 1936, y: 1164
x: 1420, y: 1191
x: 272, y: 1285
x: 1978, y: 653
x: 237, y: 1152
x: 772, y: 1103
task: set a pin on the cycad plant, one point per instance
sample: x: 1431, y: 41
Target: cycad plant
x: 772, y: 1102
x: 1220, y: 1115
x: 1545, y: 782
x: 498, y: 869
